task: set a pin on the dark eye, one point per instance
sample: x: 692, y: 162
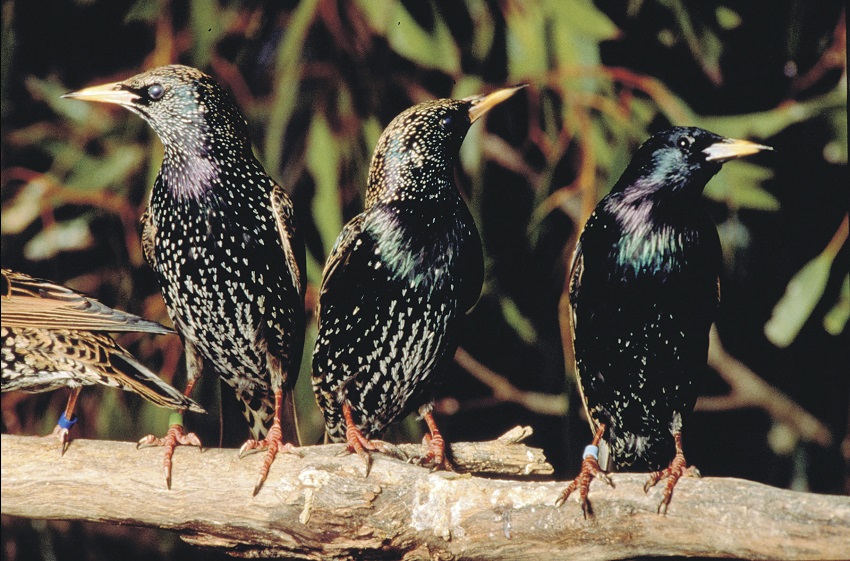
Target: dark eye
x: 155, y: 91
x: 447, y: 122
x: 685, y: 142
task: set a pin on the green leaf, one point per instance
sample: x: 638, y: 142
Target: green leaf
x: 704, y: 45
x: 371, y: 130
x: 521, y: 325
x: 484, y: 28
x: 769, y: 123
x: 207, y: 27
x: 796, y: 305
x: 288, y: 72
x: 59, y: 237
x: 25, y: 208
x: 737, y: 185
x: 837, y: 317
x: 835, y: 151
x: 470, y: 150
x: 120, y: 163
x: 143, y: 10
x: 323, y: 164
x: 586, y: 19
x: 727, y: 18
x: 51, y: 91
x: 526, y: 41
x: 431, y: 50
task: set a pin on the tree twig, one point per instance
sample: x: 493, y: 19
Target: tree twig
x: 503, y: 390
x: 322, y: 507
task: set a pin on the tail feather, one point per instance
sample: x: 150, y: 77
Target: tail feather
x: 136, y: 377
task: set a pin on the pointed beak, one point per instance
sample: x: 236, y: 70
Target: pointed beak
x: 481, y: 104
x: 729, y: 149
x: 107, y: 93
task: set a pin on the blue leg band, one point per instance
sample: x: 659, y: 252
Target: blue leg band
x: 66, y: 423
x: 591, y: 450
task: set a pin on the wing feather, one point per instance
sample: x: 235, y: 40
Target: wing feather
x: 40, y: 304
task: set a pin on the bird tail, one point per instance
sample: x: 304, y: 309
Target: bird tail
x: 134, y: 376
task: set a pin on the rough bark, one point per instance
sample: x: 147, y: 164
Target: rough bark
x: 322, y: 507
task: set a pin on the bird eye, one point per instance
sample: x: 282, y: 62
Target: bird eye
x: 155, y: 91
x: 685, y: 142
x: 447, y: 122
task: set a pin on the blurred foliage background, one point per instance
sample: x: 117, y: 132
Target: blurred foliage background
x: 317, y: 80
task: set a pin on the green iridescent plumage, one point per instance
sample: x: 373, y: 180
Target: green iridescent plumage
x: 644, y: 292
x: 401, y: 275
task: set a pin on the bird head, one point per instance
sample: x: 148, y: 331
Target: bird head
x: 418, y: 148
x: 682, y: 159
x: 186, y: 108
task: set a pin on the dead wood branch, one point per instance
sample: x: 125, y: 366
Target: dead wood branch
x: 322, y: 507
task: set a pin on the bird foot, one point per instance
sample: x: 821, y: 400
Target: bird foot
x: 62, y: 431
x: 273, y: 444
x: 589, y: 470
x: 362, y: 446
x: 678, y: 468
x: 175, y: 436
x: 436, y: 454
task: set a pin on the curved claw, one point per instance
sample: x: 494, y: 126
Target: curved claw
x: 359, y: 444
x: 436, y: 454
x: 678, y: 468
x: 176, y: 436
x: 589, y: 470
x: 363, y: 448
x: 62, y: 430
x: 64, y: 437
x: 274, y: 445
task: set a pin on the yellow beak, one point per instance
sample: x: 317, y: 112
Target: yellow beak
x: 731, y: 148
x: 481, y: 104
x: 106, y: 93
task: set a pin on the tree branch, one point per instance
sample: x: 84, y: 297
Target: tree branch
x: 503, y: 390
x: 322, y: 507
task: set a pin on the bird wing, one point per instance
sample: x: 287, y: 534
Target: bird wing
x: 149, y: 238
x: 472, y: 274
x: 576, y: 271
x: 285, y: 219
x: 132, y: 375
x: 341, y: 252
x: 40, y: 304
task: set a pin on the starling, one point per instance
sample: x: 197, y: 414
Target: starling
x: 644, y: 289
x: 221, y: 236
x: 399, y: 278
x: 54, y: 337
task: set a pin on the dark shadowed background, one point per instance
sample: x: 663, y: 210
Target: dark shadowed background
x: 317, y: 81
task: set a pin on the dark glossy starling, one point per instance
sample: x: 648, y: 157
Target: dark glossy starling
x: 55, y: 337
x: 221, y: 236
x: 644, y: 289
x: 399, y: 278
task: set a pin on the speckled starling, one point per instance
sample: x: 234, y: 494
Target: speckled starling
x: 54, y: 337
x: 221, y: 236
x: 399, y: 278
x: 643, y: 292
